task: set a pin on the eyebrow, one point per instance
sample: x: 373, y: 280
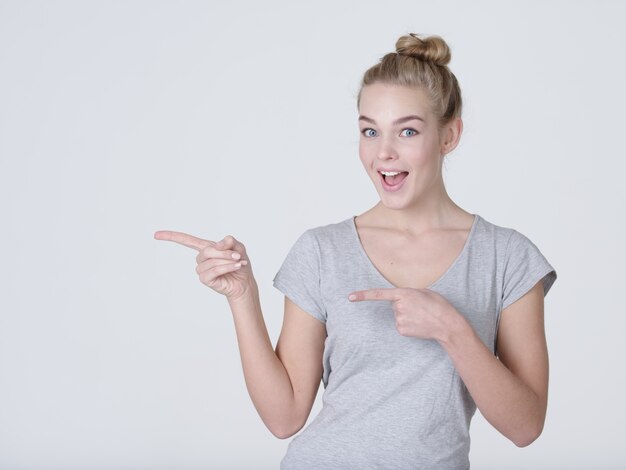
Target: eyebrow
x: 397, y: 121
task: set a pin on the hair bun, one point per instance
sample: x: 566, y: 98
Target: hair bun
x: 432, y: 48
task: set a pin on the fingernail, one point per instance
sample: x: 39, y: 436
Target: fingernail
x: 236, y: 255
x: 352, y: 296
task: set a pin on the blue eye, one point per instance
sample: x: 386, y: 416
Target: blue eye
x: 369, y: 132
x: 411, y: 132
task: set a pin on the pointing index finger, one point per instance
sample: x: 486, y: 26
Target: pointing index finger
x: 392, y: 293
x: 181, y: 238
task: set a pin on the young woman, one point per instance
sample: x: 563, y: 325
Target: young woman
x: 412, y: 314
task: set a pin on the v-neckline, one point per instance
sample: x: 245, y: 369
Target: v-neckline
x: 373, y: 267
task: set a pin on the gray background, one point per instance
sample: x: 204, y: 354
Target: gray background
x: 118, y: 119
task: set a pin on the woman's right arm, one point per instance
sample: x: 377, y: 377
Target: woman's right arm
x: 282, y: 383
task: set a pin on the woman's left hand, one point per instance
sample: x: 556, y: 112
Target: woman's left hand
x: 422, y: 313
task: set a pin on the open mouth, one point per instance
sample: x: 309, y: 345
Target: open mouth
x: 394, y: 180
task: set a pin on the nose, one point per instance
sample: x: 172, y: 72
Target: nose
x: 387, y: 149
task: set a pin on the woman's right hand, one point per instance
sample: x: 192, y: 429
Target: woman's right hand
x: 216, y: 266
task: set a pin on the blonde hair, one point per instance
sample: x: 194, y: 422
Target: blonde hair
x: 420, y: 62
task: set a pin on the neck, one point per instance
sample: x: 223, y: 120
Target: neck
x: 438, y: 211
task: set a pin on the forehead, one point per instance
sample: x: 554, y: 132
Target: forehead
x: 383, y: 101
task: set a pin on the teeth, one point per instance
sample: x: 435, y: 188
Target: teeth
x: 390, y: 173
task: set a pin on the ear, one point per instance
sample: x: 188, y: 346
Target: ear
x: 450, y: 136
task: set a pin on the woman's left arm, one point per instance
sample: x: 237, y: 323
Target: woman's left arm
x: 511, y: 392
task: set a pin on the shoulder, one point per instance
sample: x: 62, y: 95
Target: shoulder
x: 505, y: 238
x: 510, y: 246
x: 331, y: 234
x: 522, y: 264
x: 513, y: 240
x: 493, y: 237
x: 319, y: 241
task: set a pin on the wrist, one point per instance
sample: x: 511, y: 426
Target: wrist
x: 248, y: 293
x: 456, y: 329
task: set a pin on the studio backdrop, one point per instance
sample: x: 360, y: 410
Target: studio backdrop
x: 118, y: 119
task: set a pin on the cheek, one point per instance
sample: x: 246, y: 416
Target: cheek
x: 425, y: 153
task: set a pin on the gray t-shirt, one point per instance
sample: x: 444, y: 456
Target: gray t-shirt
x: 391, y: 401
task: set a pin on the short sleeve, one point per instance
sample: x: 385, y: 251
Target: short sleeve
x: 299, y: 276
x: 524, y: 266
